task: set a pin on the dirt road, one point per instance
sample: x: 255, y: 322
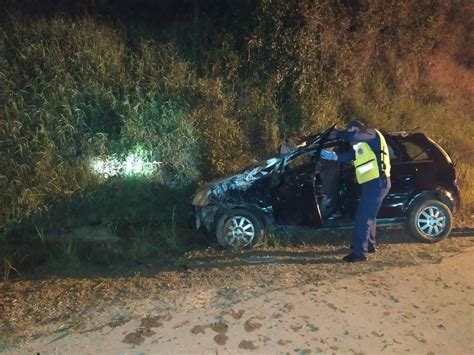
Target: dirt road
x: 409, y: 297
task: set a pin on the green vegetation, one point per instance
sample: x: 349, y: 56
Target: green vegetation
x: 204, y: 96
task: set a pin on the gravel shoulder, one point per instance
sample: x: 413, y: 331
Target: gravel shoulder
x: 298, y: 299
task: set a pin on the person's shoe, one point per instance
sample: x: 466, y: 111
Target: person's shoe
x: 371, y: 250
x: 352, y: 258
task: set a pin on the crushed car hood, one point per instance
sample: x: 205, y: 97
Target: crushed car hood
x: 242, y: 181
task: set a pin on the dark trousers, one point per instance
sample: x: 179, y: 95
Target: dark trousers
x: 372, y: 195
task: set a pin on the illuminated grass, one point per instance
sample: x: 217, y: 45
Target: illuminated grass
x: 136, y: 163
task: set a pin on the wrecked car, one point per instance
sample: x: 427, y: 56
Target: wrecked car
x: 289, y: 191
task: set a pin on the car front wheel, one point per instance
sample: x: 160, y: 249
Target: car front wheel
x: 430, y: 221
x: 238, y: 229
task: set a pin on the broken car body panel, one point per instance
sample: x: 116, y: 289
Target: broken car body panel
x: 285, y: 191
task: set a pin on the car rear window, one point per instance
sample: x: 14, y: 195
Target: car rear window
x: 414, y: 151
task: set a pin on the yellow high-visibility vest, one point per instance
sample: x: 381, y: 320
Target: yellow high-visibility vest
x: 366, y: 165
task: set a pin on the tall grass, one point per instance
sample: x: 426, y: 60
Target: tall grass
x: 204, y: 97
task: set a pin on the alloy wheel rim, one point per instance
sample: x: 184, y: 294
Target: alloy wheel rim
x: 239, y: 231
x: 431, y: 221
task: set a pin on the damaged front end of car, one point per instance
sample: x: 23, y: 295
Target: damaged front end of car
x: 237, y: 210
x: 247, y: 189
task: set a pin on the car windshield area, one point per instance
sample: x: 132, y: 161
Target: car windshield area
x: 263, y: 166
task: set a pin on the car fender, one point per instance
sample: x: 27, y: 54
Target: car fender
x: 439, y: 194
x: 265, y: 214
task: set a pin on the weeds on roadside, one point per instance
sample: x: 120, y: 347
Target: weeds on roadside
x: 143, y: 244
x: 276, y: 239
x: 156, y: 240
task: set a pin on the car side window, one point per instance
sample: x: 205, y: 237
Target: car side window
x: 414, y: 151
x: 392, y: 153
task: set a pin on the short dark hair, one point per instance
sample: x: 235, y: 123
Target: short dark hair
x: 355, y: 123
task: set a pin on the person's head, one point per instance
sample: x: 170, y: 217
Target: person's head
x: 354, y: 125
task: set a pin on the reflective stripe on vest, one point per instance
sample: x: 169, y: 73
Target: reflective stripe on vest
x: 384, y: 154
x: 366, y: 165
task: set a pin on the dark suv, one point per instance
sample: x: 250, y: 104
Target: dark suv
x: 287, y: 191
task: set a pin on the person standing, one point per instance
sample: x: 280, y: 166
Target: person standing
x: 372, y: 169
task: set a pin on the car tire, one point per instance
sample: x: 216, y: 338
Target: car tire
x: 238, y: 229
x: 430, y: 221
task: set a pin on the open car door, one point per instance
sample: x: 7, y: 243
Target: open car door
x: 293, y: 197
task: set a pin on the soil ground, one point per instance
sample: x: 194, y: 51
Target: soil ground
x: 301, y: 299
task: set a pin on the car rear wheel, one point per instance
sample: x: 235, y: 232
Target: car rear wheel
x: 430, y: 221
x: 238, y: 229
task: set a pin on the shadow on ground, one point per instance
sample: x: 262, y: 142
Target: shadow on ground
x: 304, y: 247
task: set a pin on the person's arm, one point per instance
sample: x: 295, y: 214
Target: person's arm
x: 341, y: 157
x: 346, y: 156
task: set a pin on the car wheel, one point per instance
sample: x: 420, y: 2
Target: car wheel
x: 430, y: 221
x: 238, y: 229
